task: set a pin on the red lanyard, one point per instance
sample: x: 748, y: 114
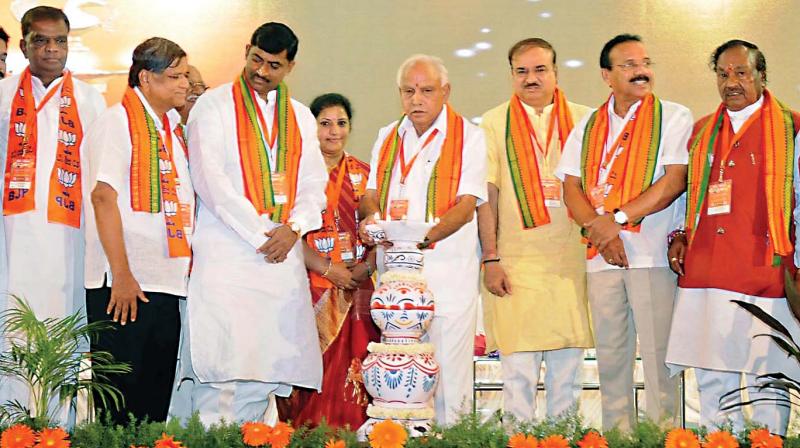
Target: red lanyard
x: 271, y: 136
x: 406, y: 168
x: 333, y: 192
x: 543, y: 149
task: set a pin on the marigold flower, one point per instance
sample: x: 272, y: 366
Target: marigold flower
x: 520, y: 440
x: 554, y: 441
x: 256, y: 433
x: 167, y: 442
x: 335, y: 444
x: 18, y: 436
x: 593, y: 440
x: 281, y: 435
x: 387, y: 434
x: 53, y: 438
x: 681, y: 438
x: 761, y: 438
x: 720, y: 439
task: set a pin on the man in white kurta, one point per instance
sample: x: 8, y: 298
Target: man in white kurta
x: 41, y: 261
x: 250, y: 329
x: 452, y: 266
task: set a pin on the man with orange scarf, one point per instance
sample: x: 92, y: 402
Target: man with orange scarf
x: 44, y: 112
x: 737, y: 244
x: 623, y: 166
x: 431, y: 165
x: 250, y: 332
x: 535, y: 306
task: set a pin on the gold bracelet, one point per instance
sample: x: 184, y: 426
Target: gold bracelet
x: 327, y: 271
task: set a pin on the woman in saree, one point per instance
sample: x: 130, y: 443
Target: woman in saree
x: 340, y: 270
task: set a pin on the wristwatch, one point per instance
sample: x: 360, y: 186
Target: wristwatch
x: 620, y: 217
x: 295, y: 228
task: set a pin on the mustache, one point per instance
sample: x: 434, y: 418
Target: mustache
x: 732, y: 91
x: 255, y: 75
x: 644, y: 78
x: 533, y: 84
x: 192, y: 97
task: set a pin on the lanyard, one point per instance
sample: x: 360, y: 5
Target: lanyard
x: 271, y: 137
x: 405, y: 169
x: 333, y: 192
x: 727, y: 145
x: 611, y: 154
x: 543, y: 149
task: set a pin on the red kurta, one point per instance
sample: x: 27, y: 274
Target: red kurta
x: 730, y: 251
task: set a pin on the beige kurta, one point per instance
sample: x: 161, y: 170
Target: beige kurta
x: 546, y: 265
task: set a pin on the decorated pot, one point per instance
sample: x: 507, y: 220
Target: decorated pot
x: 402, y: 310
x: 401, y: 380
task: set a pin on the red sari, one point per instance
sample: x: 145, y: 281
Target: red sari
x: 343, y: 320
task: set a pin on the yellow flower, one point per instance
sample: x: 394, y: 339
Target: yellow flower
x: 720, y: 439
x: 387, y: 434
x: 681, y: 438
x: 522, y: 441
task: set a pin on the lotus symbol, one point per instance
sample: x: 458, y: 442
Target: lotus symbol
x: 19, y: 128
x: 67, y: 178
x: 324, y: 245
x: 21, y: 93
x: 360, y: 250
x: 67, y: 138
x: 65, y: 102
x: 165, y: 166
x: 170, y: 208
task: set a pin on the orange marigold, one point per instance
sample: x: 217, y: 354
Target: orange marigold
x: 720, y: 439
x: 593, y: 440
x: 761, y: 438
x: 335, y: 444
x: 53, y: 438
x: 388, y: 434
x: 520, y: 440
x: 554, y: 441
x: 681, y: 438
x: 167, y: 442
x: 281, y: 435
x: 256, y: 433
x: 18, y: 436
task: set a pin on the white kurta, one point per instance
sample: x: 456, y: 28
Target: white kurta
x: 452, y: 268
x: 247, y: 319
x: 42, y: 261
x: 108, y: 147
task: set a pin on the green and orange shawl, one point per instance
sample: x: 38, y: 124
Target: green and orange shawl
x: 253, y: 150
x: 521, y: 156
x: 778, y: 125
x: 636, y: 164
x: 446, y: 175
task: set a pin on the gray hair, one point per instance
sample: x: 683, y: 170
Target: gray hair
x: 432, y: 61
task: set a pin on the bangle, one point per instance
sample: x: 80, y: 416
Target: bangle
x: 674, y: 234
x: 328, y: 270
x: 490, y: 260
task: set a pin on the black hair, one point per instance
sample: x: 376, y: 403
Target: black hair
x: 528, y: 43
x: 39, y: 14
x: 4, y: 35
x: 605, y: 60
x: 327, y: 100
x: 755, y: 55
x: 274, y: 37
x: 155, y: 55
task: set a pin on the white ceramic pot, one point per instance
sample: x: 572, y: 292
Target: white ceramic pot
x: 400, y: 380
x: 402, y: 310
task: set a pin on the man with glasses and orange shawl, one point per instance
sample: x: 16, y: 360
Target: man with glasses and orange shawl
x: 431, y: 165
x: 737, y: 244
x: 623, y: 166
x: 250, y: 332
x: 44, y: 113
x: 535, y: 304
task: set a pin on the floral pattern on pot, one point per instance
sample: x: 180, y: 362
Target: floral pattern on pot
x: 402, y: 310
x: 400, y: 380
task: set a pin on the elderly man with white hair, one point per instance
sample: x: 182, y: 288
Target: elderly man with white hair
x: 431, y: 164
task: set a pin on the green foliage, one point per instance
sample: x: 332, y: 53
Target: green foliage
x: 43, y: 355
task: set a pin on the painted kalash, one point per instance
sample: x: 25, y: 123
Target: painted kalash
x: 400, y: 372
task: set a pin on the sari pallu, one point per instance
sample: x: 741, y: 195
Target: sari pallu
x: 344, y: 324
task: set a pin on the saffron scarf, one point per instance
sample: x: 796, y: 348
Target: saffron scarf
x: 446, y: 175
x: 153, y: 173
x: 64, y: 198
x: 632, y: 171
x: 778, y: 130
x: 254, y: 152
x: 521, y: 156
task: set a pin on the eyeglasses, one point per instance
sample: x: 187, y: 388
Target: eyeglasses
x: 197, y: 87
x: 630, y: 65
